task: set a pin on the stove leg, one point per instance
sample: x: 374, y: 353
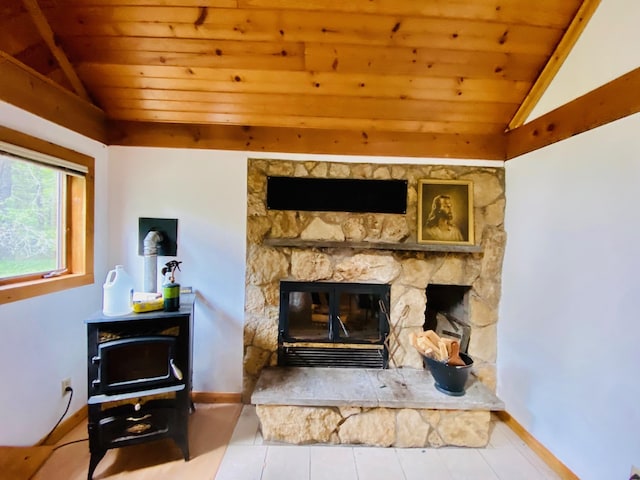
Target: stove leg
x: 183, y: 443
x: 93, y: 462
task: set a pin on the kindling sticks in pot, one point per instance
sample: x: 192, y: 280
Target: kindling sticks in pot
x: 442, y: 349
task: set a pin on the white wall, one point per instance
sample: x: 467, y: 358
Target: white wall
x: 568, y: 333
x: 43, y: 339
x: 206, y: 192
x: 567, y: 337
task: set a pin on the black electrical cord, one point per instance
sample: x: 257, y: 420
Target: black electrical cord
x: 70, y: 443
x: 68, y: 389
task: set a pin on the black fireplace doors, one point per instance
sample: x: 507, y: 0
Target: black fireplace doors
x: 333, y: 324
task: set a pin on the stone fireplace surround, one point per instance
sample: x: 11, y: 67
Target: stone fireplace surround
x: 354, y: 247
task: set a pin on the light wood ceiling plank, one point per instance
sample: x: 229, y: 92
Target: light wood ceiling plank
x: 421, y: 62
x: 103, y: 78
x: 191, y: 53
x: 276, y: 119
x: 301, y: 121
x: 331, y: 58
x: 19, y: 33
x: 81, y: 47
x: 306, y: 26
x: 542, y: 13
x: 248, y: 60
x: 310, y: 105
x: 308, y: 141
x: 44, y: 28
x: 148, y: 3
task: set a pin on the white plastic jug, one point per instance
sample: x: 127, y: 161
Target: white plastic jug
x: 117, y: 293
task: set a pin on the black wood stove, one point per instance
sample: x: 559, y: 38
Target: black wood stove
x: 139, y: 380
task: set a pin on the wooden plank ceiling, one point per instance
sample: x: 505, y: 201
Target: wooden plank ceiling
x: 454, y: 72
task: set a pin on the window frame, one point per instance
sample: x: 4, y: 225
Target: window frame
x: 79, y: 226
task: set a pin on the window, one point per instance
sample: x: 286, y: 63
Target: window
x: 46, y: 217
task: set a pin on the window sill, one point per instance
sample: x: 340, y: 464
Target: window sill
x: 21, y: 291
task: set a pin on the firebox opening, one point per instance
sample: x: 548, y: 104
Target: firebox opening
x: 447, y: 312
x: 333, y: 324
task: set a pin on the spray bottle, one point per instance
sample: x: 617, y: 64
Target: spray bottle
x: 171, y: 289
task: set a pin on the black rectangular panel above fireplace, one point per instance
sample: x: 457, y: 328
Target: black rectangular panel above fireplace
x: 337, y: 195
x: 333, y: 324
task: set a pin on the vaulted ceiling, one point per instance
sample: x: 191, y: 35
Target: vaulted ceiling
x: 446, y: 77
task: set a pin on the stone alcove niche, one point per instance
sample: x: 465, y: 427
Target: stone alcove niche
x: 447, y: 312
x: 333, y: 246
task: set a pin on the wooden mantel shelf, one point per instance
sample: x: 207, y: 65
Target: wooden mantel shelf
x: 410, y: 247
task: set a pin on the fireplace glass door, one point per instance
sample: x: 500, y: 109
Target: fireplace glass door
x: 333, y: 312
x: 308, y: 315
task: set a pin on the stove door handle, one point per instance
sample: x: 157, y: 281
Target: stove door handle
x: 138, y: 419
x: 176, y: 371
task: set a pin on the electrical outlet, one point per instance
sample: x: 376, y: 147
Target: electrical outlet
x: 64, y: 384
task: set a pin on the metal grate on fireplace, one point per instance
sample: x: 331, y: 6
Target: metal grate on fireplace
x: 293, y: 355
x: 333, y: 324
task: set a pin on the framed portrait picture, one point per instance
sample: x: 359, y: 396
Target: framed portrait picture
x: 445, y: 212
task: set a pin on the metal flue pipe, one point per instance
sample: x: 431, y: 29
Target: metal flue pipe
x: 150, y: 251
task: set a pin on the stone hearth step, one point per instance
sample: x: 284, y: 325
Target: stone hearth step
x: 362, y: 387
x: 395, y: 407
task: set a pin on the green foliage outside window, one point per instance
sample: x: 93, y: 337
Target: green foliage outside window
x: 29, y: 217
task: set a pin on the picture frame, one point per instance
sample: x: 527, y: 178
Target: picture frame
x: 445, y: 212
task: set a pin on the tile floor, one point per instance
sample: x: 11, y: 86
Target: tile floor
x: 248, y: 457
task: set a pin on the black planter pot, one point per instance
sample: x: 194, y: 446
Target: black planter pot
x: 449, y: 379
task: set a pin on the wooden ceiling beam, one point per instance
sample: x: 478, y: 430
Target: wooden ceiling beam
x: 612, y: 101
x: 45, y: 31
x: 554, y: 63
x: 309, y: 141
x: 35, y: 93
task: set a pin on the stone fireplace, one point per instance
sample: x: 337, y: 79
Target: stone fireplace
x: 304, y: 246
x: 325, y: 252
